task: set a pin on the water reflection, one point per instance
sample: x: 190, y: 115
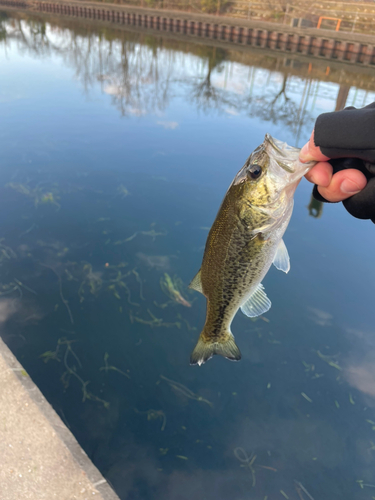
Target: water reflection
x: 103, y: 223
x: 315, y: 208
x: 140, y: 73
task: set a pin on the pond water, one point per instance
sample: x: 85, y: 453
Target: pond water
x: 116, y: 151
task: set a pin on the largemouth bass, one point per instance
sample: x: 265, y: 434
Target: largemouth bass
x: 245, y: 239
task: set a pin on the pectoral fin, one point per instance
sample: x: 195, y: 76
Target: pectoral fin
x: 196, y: 283
x: 281, y: 260
x: 257, y: 304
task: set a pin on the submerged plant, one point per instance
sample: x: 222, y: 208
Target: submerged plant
x: 91, y: 280
x: 71, y: 369
x: 154, y: 415
x: 172, y: 288
x: 108, y: 367
x: 38, y: 195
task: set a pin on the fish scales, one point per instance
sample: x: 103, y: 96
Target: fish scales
x: 245, y: 238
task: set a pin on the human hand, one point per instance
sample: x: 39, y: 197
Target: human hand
x: 332, y: 186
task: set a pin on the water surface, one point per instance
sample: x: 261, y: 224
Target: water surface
x: 116, y: 151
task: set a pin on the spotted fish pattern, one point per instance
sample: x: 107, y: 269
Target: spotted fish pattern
x: 245, y: 238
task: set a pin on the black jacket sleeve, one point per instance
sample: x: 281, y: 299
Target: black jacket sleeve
x: 348, y: 137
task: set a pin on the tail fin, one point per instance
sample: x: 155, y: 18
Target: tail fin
x: 204, y: 351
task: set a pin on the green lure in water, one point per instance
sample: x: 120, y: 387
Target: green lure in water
x: 245, y: 239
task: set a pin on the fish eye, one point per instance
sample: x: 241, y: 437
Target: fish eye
x: 255, y: 171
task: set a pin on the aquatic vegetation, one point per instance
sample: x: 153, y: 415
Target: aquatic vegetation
x: 91, y: 280
x: 172, y: 288
x: 14, y: 286
x: 71, y: 370
x: 108, y: 367
x: 138, y: 278
x: 248, y: 462
x: 188, y: 326
x: 122, y: 191
x: 330, y: 360
x: 153, y: 322
x: 300, y: 488
x: 306, y: 397
x: 63, y: 299
x: 152, y: 234
x: 154, y: 415
x: 6, y: 253
x: 119, y: 283
x: 38, y: 195
x: 185, y: 391
x: 158, y: 262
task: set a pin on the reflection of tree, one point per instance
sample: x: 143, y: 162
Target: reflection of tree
x: 139, y: 71
x: 3, y: 18
x: 204, y: 94
x: 275, y: 106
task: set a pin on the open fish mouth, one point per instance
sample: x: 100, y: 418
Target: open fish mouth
x: 281, y: 149
x: 286, y: 157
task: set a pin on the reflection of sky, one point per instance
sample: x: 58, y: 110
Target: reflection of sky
x: 75, y: 122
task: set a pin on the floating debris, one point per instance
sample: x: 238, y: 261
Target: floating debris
x: 172, y: 288
x: 284, y: 494
x: 182, y: 457
x: 182, y: 389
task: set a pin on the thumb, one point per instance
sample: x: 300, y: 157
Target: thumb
x: 310, y: 152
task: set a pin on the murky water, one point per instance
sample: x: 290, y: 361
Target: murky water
x: 116, y: 150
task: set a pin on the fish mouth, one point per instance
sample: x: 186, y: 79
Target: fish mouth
x: 286, y: 157
x: 279, y: 148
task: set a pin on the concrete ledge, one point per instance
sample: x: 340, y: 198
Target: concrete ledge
x: 39, y: 457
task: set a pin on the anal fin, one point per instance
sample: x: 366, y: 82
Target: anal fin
x: 257, y: 304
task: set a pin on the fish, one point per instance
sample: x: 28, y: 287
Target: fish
x: 244, y: 240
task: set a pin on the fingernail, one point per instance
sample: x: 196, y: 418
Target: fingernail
x: 304, y: 154
x: 349, y: 187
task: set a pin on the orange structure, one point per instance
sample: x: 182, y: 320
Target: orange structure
x: 332, y: 19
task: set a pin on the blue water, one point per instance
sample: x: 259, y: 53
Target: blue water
x: 116, y: 151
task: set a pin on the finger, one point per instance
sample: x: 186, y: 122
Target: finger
x: 320, y: 174
x: 310, y: 152
x: 343, y: 184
